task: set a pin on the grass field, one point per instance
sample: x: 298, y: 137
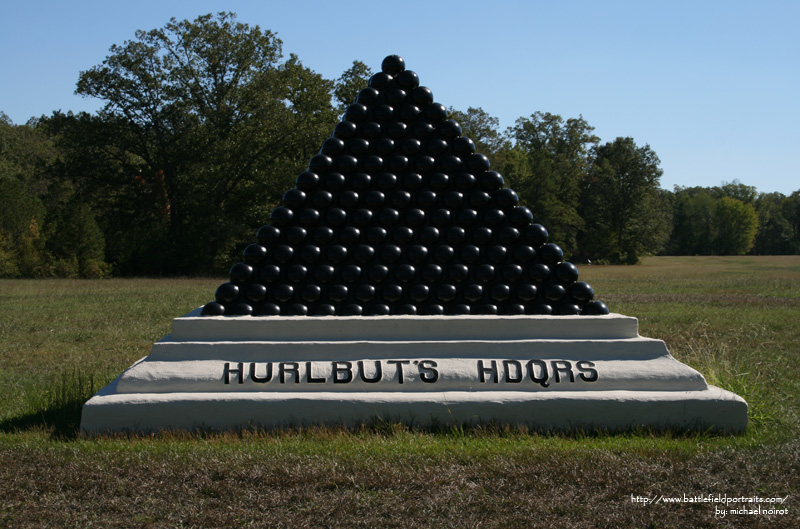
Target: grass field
x: 735, y: 319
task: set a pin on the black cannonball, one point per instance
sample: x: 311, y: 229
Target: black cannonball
x: 554, y: 292
x: 254, y: 254
x: 443, y: 254
x: 479, y: 199
x: 408, y: 112
x: 406, y: 309
x: 324, y: 309
x: 407, y: 80
x: 336, y: 253
x: 426, y: 199
x: 241, y: 309
x: 435, y: 112
x: 405, y: 273
x: 323, y: 234
x: 481, y: 235
x: 359, y: 146
x: 551, y: 254
x: 568, y: 309
x: 419, y: 293
x: 500, y: 292
x: 371, y: 130
x: 441, y: 217
x: 465, y: 181
x: 473, y: 292
x: 364, y: 253
x: 424, y: 164
x: 392, y: 293
x: 389, y: 253
x: 422, y: 96
x: 352, y: 309
x: 307, y: 181
x: 378, y: 273
x: 521, y: 216
x: 446, y: 292
x: 310, y: 253
x: 360, y: 181
x: 356, y: 112
x: 241, y: 272
x: 386, y: 181
x: 397, y: 130
x: 449, y: 129
x: 374, y: 199
x: 296, y: 235
x: 376, y: 235
x: 595, y: 308
x: 283, y: 292
x: 311, y: 293
x: 213, y: 309
x: 372, y: 163
x: 436, y: 146
x: 349, y: 235
x: 384, y: 146
x: 400, y: 199
x: 541, y: 309
x: 269, y: 309
x: 367, y: 96
x: 411, y: 147
x: 399, y: 164
x: 470, y: 253
x: 298, y: 309
x: 403, y: 235
x: 429, y: 235
x: 536, y: 234
x: 226, y: 293
x: 380, y: 80
x: 431, y: 273
x: 332, y: 147
x: 453, y: 200
x: 450, y: 164
x: 414, y: 217
x: 566, y: 272
x: 383, y: 113
x: 395, y: 96
x: 348, y: 199
x: 512, y: 272
x: 388, y: 217
x: 362, y: 217
x: 334, y: 217
x: 417, y: 253
x: 269, y: 273
x: 324, y: 273
x: 350, y: 273
x: 334, y: 181
x: 507, y: 235
x: 438, y: 181
x: 463, y: 146
x: 515, y: 309
x: 296, y: 273
x: 365, y: 293
x: 493, y: 216
x: 337, y: 293
x: 581, y: 291
x: 539, y: 272
x: 308, y: 217
x: 456, y: 235
x: 493, y: 181
x: 412, y: 181
x: 281, y: 216
x: 345, y: 130
x: 478, y: 163
x: 423, y: 130
x: 523, y: 253
x: 526, y: 292
x: 347, y: 163
x: 458, y: 272
x: 460, y: 309
x: 467, y: 217
x: 393, y: 65
x: 506, y: 198
x: 496, y: 253
x: 484, y: 273
x: 321, y: 199
x: 379, y: 309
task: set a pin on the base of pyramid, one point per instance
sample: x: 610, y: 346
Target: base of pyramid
x: 547, y: 373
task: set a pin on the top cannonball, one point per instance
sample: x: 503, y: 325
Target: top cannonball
x: 393, y: 65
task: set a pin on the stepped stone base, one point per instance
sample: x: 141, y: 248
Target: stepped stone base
x: 550, y: 373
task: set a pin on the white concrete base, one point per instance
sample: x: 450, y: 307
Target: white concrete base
x: 550, y: 373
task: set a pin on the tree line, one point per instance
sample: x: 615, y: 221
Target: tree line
x: 206, y: 124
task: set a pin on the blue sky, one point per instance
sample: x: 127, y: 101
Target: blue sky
x: 711, y: 86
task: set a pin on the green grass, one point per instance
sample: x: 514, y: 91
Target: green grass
x: 736, y: 320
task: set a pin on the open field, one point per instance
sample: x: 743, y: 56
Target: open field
x: 735, y: 319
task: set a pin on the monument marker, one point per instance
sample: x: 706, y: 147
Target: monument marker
x: 400, y: 279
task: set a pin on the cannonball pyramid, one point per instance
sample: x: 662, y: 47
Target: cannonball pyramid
x: 398, y: 215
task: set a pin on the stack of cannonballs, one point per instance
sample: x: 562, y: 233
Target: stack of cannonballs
x: 398, y: 215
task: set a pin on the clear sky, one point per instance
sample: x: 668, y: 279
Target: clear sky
x: 712, y: 86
